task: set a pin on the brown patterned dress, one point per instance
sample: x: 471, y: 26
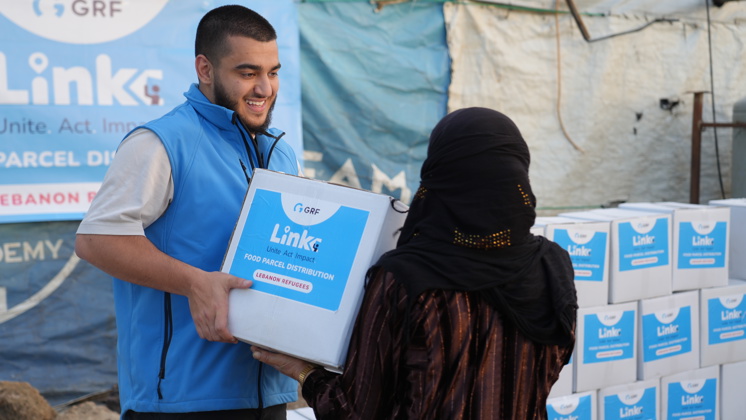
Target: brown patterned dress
x: 460, y: 361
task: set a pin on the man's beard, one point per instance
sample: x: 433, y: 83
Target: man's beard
x: 222, y: 99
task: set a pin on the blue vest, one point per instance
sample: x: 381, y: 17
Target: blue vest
x: 164, y: 366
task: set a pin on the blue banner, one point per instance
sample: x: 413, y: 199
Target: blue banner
x: 77, y: 75
x: 57, y: 327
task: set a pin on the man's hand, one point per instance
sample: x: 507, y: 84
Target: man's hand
x: 208, y: 302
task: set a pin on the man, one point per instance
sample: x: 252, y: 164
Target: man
x: 161, y: 222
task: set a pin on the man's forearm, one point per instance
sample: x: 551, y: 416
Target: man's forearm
x: 135, y: 259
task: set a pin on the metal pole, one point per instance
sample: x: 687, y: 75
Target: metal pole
x: 698, y: 126
x: 578, y: 20
x: 696, y: 148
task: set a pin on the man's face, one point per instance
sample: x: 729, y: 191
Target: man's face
x: 246, y: 81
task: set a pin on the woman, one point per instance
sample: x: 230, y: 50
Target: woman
x: 471, y: 316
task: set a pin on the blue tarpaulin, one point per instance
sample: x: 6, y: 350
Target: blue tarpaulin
x: 373, y: 86
x: 58, y: 330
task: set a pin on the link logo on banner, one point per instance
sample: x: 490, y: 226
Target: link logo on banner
x: 110, y: 85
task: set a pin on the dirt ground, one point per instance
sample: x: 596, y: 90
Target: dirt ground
x: 88, y: 410
x: 21, y: 401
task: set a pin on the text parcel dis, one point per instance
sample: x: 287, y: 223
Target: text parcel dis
x: 306, y: 245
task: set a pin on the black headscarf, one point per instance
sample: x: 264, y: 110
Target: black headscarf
x: 468, y: 228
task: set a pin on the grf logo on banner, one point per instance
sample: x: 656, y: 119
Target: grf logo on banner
x: 77, y: 22
x: 81, y: 21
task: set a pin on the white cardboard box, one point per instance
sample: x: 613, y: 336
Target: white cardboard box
x: 606, y: 346
x: 588, y: 245
x: 737, y: 262
x: 540, y: 223
x: 306, y: 245
x: 638, y: 400
x: 669, y: 335
x: 723, y: 324
x: 694, y: 394
x: 580, y: 406
x: 732, y: 391
x: 640, y: 246
x: 700, y: 243
x: 537, y: 230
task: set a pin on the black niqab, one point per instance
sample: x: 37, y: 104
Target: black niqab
x: 468, y: 228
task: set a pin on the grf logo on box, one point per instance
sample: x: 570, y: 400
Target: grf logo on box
x: 300, y: 208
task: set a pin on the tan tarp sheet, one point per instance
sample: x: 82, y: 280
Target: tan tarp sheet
x: 628, y: 147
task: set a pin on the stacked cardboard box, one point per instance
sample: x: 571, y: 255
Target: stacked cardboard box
x: 680, y: 269
x: 578, y: 406
x: 637, y: 400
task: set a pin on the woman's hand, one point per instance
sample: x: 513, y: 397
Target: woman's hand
x: 287, y: 365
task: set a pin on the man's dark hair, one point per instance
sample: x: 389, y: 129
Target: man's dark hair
x: 225, y: 21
